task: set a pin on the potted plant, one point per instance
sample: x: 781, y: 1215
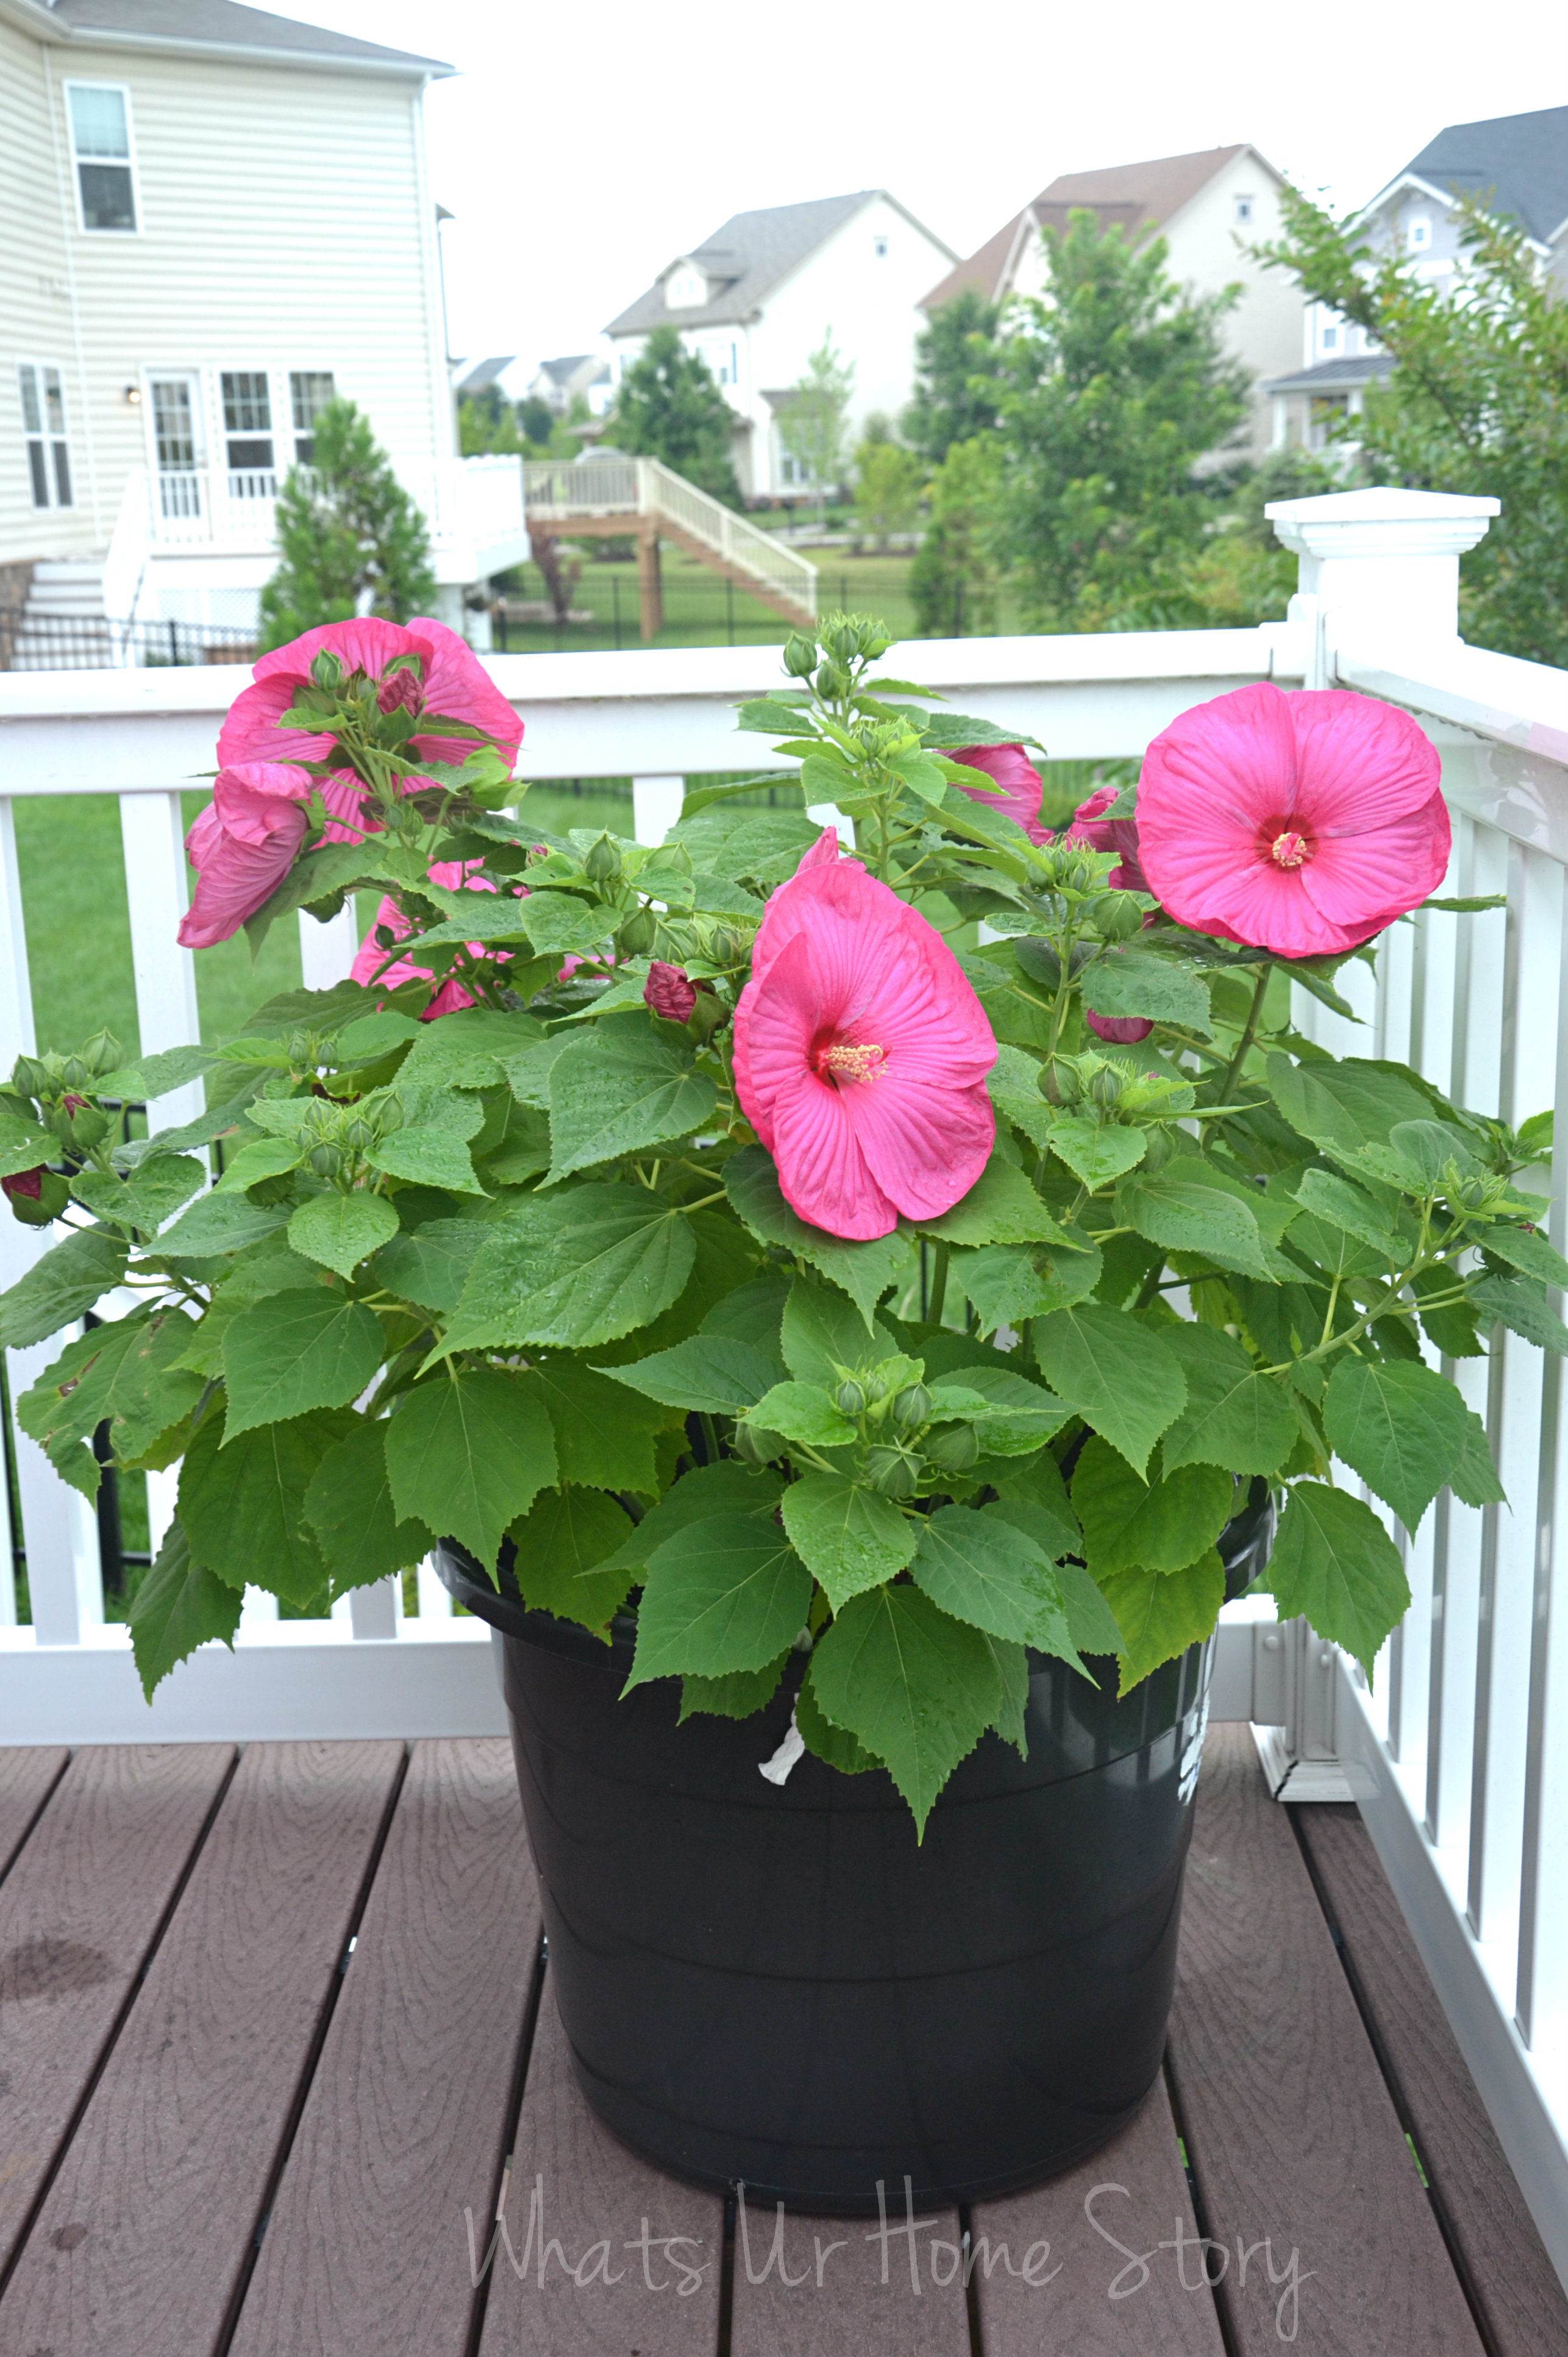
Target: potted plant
x: 851, y: 1368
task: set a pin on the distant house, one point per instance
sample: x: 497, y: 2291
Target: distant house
x: 218, y: 220
x: 1210, y: 208
x: 760, y: 295
x: 1517, y: 165
x: 558, y: 383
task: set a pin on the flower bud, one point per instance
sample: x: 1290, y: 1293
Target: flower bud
x: 1157, y: 1149
x: 326, y: 1161
x: 1115, y: 916
x: 102, y: 1053
x: 636, y: 935
x: 25, y: 1182
x: 912, y: 1407
x: 400, y: 691
x: 28, y: 1076
x: 889, y: 1472
x: 389, y: 1116
x: 1104, y: 1086
x: 38, y: 1206
x: 799, y: 655
x: 669, y: 992
x: 850, y: 1397
x: 832, y: 681
x: 1118, y: 1030
x: 361, y: 1133
x: 603, y: 864
x: 710, y: 1014
x: 953, y: 1449
x: 1058, y: 1084
x: 89, y: 1127
x: 757, y: 1447
x: 75, y: 1074
x: 676, y: 856
x: 328, y: 671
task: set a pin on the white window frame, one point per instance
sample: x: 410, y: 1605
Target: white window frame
x: 53, y: 504
x: 76, y: 82
x: 879, y: 246
x: 1418, y: 236
x: 1243, y: 209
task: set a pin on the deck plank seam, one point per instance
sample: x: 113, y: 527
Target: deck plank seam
x: 511, y: 2120
x: 1224, y: 2321
x: 334, y: 1990
x: 25, y: 1836
x: 101, y: 2060
x: 1421, y: 2162
x: 725, y: 2338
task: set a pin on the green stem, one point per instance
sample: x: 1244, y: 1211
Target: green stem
x: 938, y: 1294
x: 1254, y: 1013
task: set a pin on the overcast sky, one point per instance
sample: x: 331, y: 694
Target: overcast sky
x: 582, y: 147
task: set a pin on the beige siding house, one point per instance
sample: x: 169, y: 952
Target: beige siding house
x: 1210, y: 208
x: 215, y: 219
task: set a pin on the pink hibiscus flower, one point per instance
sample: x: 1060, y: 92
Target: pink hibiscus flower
x: 370, y: 964
x: 861, y: 1053
x: 453, y: 684
x: 1301, y: 823
x: 1016, y: 782
x: 243, y: 846
x: 1117, y: 834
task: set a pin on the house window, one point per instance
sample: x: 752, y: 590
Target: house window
x: 1241, y: 210
x: 879, y: 248
x: 1330, y: 339
x: 1420, y: 234
x: 100, y: 149
x: 686, y: 289
x: 248, y: 434
x: 43, y: 423
x: 309, y: 391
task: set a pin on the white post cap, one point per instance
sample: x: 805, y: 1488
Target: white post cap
x: 1383, y: 557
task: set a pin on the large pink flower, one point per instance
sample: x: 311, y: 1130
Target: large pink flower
x: 243, y: 846
x: 1118, y: 834
x: 453, y: 684
x: 861, y: 1053
x: 1301, y: 823
x: 1016, y: 780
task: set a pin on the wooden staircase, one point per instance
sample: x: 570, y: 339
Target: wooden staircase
x: 604, y: 495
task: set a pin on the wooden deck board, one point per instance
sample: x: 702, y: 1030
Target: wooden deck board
x: 850, y: 2291
x: 581, y: 2210
x: 26, y: 1780
x: 1290, y: 2130
x: 142, y: 2242
x: 1513, y: 2281
x: 365, y: 2253
x: 1123, y: 2274
x: 79, y: 1911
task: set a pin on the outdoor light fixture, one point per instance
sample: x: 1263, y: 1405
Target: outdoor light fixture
x: 134, y: 396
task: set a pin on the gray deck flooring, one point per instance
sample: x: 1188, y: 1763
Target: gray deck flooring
x: 272, y: 2029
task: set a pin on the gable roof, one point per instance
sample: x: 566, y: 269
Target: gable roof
x: 1135, y: 198
x: 751, y: 255
x: 225, y: 28
x: 1519, y: 162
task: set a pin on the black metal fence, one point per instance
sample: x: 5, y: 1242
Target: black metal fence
x: 34, y: 641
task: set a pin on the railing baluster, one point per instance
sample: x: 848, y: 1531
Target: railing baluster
x: 327, y: 951
x: 655, y: 807
x: 152, y: 837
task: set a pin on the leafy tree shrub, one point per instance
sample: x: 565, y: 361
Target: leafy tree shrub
x: 956, y: 578
x: 956, y: 371
x: 887, y: 485
x: 670, y: 407
x: 350, y: 537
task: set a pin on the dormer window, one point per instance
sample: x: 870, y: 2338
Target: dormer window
x: 1330, y: 339
x: 1419, y: 235
x: 1241, y: 211
x: 879, y: 248
x: 686, y: 289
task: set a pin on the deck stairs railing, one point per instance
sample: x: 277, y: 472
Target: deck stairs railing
x: 1458, y: 1758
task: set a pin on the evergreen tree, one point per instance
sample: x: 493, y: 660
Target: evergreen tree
x: 955, y: 376
x: 1114, y: 386
x: 670, y: 407
x: 887, y: 484
x: 346, y: 527
x: 955, y: 580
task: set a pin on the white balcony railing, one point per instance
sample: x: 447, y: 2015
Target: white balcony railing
x: 1460, y: 1760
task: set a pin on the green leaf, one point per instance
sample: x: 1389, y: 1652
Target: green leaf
x: 822, y: 1331
x: 917, y: 1688
x: 293, y: 1351
x: 1090, y: 1623
x: 1119, y: 1375
x: 1096, y: 1152
x: 803, y: 1413
x: 1008, y: 1284
x: 178, y: 1607
x: 349, y: 1505
x: 243, y: 1507
x: 152, y: 1076
x: 264, y: 1158
x: 426, y: 1157
x: 1334, y: 1561
x: 220, y: 1224
x: 603, y: 1440
x: 1520, y: 1301
x: 727, y: 1488
x: 825, y: 1741
x: 24, y: 1144
x: 456, y: 1113
x: 1001, y: 1208
x: 151, y: 1194
x: 1401, y: 1427
x: 1014, y: 1089
x: 1138, y: 981
x: 753, y: 1312
x: 69, y: 1279
x: 730, y: 1594
x: 1160, y: 1614
x: 1018, y: 1416
x: 1345, y: 1106
x: 1180, y: 1208
x: 128, y: 1374
x: 576, y: 1268
x: 1157, y: 1526
x: 864, y: 1271
x: 735, y: 1695
x: 1039, y: 1485
x: 1473, y: 1479
x: 848, y: 1536
x: 780, y: 715
x: 467, y: 1453
x: 619, y: 1086
x: 467, y: 1048
x: 1234, y: 1417
x: 1350, y: 1208
x: 341, y: 1230
x: 709, y: 1375
x: 562, y: 1543
x: 983, y: 1569
x: 429, y: 1265
x: 1523, y: 1248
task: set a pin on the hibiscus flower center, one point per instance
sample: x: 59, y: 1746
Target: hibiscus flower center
x: 845, y: 1059
x: 1289, y: 849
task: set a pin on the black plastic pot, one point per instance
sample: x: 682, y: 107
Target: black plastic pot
x: 779, y: 1984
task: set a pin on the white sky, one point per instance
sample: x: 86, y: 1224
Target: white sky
x: 581, y: 148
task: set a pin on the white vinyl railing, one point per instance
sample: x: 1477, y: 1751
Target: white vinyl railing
x: 1459, y: 1759
x: 605, y: 487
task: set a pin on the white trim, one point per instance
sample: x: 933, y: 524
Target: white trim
x: 128, y: 160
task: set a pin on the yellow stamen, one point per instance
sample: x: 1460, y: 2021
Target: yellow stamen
x: 1289, y: 849
x: 847, y: 1060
